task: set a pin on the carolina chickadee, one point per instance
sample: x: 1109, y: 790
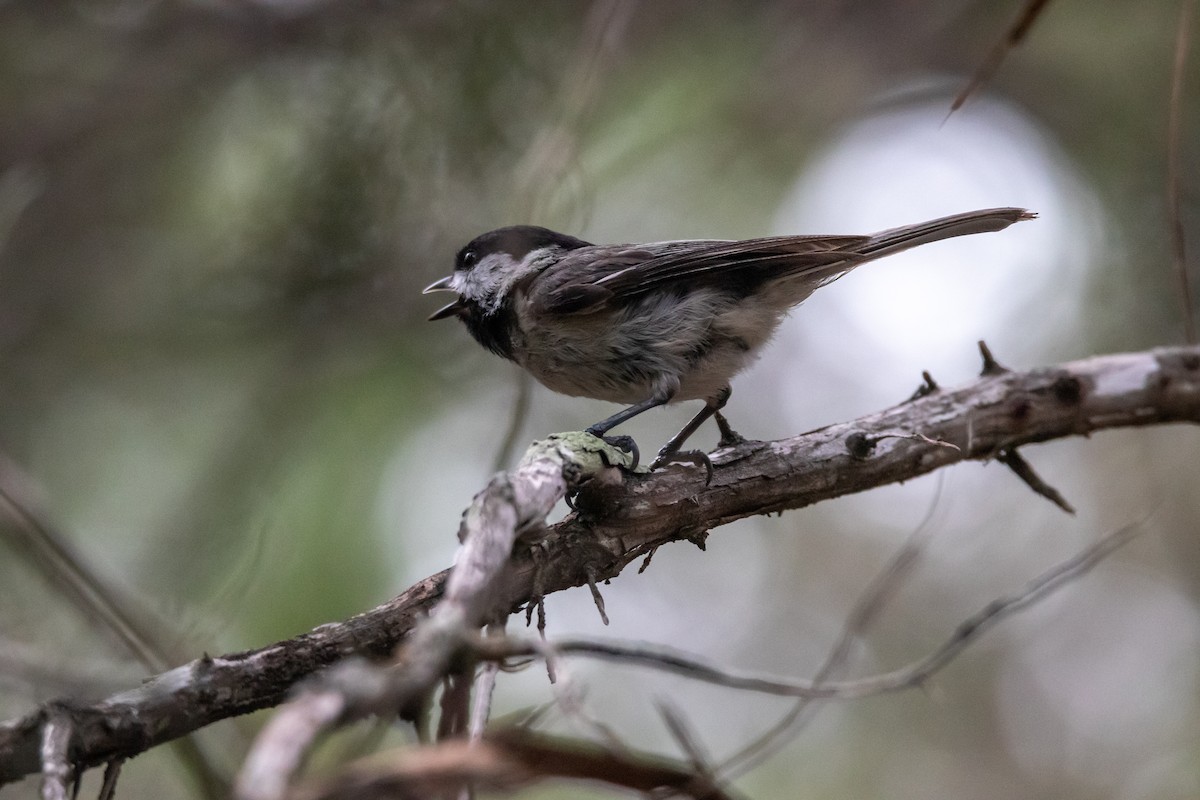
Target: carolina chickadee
x: 651, y: 324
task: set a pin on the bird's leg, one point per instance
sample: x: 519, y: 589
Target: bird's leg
x: 626, y: 443
x: 624, y: 415
x: 671, y: 448
x: 729, y: 437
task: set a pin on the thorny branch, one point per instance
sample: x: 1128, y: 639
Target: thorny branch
x: 622, y: 517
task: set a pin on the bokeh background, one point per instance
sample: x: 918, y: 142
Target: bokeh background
x: 217, y: 382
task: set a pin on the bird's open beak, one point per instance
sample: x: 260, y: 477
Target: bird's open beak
x: 455, y: 309
x: 442, y: 285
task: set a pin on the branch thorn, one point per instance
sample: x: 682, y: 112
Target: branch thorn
x: 1010, y: 458
x: 928, y: 387
x: 596, y: 596
x: 646, y: 562
x: 990, y: 365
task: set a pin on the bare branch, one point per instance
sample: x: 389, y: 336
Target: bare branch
x: 621, y: 521
x: 975, y: 626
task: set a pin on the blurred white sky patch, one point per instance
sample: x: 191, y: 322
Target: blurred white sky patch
x: 1110, y: 691
x: 927, y: 307
x: 432, y: 478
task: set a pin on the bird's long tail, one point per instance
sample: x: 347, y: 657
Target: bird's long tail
x: 985, y: 221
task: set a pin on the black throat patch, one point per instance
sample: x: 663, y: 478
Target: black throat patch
x: 492, y: 329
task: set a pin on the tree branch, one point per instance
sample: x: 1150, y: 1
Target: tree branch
x: 621, y: 518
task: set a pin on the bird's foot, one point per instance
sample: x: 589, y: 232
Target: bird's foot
x: 625, y: 444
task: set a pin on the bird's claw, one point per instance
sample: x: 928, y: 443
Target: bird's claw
x: 625, y: 444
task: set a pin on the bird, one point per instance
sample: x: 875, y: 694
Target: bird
x: 654, y: 323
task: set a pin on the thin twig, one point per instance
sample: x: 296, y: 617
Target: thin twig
x: 112, y: 772
x: 686, y: 738
x: 50, y: 551
x: 485, y: 686
x: 33, y: 668
x: 516, y: 420
x: 973, y: 627
x: 1175, y: 170
x: 1012, y: 37
x: 912, y: 675
x: 870, y: 602
x: 71, y: 574
x: 543, y: 167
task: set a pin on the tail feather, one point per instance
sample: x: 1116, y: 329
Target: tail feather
x: 985, y: 221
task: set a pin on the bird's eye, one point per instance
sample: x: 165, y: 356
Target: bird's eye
x: 469, y: 258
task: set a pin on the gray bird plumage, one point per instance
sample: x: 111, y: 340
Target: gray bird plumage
x: 649, y: 324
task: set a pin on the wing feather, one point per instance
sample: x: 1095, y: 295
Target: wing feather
x: 591, y: 277
x: 584, y: 279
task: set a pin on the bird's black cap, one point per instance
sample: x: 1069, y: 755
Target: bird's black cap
x: 516, y: 240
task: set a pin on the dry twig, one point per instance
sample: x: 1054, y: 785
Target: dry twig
x: 912, y: 675
x: 1012, y: 37
x: 506, y: 760
x: 1175, y: 170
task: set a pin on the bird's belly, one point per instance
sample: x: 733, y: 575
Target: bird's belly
x: 610, y: 378
x: 687, y: 348
x: 590, y: 368
x: 714, y: 371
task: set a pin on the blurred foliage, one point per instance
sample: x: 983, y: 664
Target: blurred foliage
x: 215, y: 220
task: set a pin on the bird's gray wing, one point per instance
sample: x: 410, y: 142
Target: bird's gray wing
x: 588, y: 278
x: 591, y: 277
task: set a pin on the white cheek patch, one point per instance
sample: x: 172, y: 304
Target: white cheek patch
x: 487, y: 282
x: 472, y: 284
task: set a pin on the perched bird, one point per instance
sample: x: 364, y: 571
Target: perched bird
x: 651, y: 324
